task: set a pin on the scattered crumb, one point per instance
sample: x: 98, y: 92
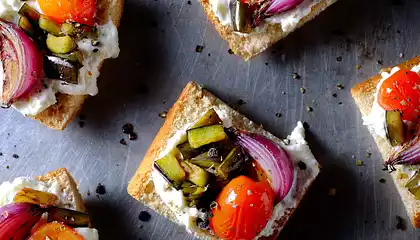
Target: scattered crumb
x: 380, y: 62
x: 295, y: 76
x: 302, y: 90
x: 189, y: 2
x: 15, y: 155
x: 100, y: 189
x: 339, y: 58
x: 7, y: 167
x: 88, y: 193
x: 359, y: 163
x: 163, y: 114
x: 334, y: 95
x: 123, y: 142
x: 266, y: 63
x: 199, y: 48
x: 309, y: 109
x: 358, y: 67
x: 332, y: 192
x: 382, y: 180
x: 230, y: 51
x: 278, y: 115
x: 400, y: 223
x: 368, y: 155
x: 401, y: 55
x: 284, y: 93
x: 132, y: 136
x: 339, y: 103
x: 340, y: 86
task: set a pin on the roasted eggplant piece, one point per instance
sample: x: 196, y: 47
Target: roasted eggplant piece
x: 29, y: 12
x: 210, y: 118
x: 394, y: 128
x: 68, y: 217
x: 61, y: 69
x: 234, y: 162
x: 187, y: 152
x: 195, y: 174
x: 49, y: 25
x: 60, y: 45
x: 413, y: 185
x: 75, y: 56
x: 239, y: 15
x: 26, y: 25
x: 171, y: 168
x: 67, y: 28
x: 208, y: 160
x: 201, y: 136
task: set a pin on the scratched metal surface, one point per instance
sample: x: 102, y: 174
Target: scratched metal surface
x: 158, y: 40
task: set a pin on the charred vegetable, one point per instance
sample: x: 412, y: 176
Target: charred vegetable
x: 198, y: 137
x: 195, y: 174
x: 26, y: 25
x: 209, y: 118
x: 239, y: 14
x: 407, y: 154
x: 187, y: 151
x: 413, y: 185
x: 394, y: 128
x: 60, y: 45
x: 58, y: 68
x: 171, y: 168
x: 29, y: 12
x: 233, y: 163
x: 208, y: 160
x: 49, y: 25
x: 75, y: 57
x: 68, y: 217
x: 29, y: 195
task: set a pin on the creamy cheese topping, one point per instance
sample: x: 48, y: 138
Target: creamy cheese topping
x: 297, y: 149
x: 8, y: 190
x: 88, y: 74
x: 375, y: 120
x: 288, y: 19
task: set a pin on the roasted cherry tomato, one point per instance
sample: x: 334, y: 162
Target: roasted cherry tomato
x: 401, y: 91
x: 243, y: 209
x: 80, y: 11
x: 55, y: 231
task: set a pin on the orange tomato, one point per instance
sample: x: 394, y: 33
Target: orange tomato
x: 55, y: 231
x: 80, y: 11
x: 243, y: 209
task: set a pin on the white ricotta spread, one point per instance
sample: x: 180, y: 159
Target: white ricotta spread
x: 288, y: 19
x: 297, y: 149
x: 8, y: 190
x: 375, y: 120
x: 88, y: 74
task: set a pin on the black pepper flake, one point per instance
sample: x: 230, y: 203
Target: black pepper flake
x: 163, y: 114
x: 340, y: 86
x: 302, y: 165
x: 380, y: 62
x: 100, y: 189
x: 209, y: 54
x: 199, y: 48
x: 132, y: 136
x: 230, y: 51
x: 189, y: 2
x: 400, y: 223
x: 144, y: 216
x: 302, y: 90
x: 95, y: 50
x: 278, y: 115
x: 339, y: 103
x: 382, y: 180
x: 339, y: 58
x: 266, y: 63
x: 15, y: 155
x: 309, y: 109
x: 127, y: 128
x: 81, y: 124
x: 123, y: 142
x: 1, y: 154
x: 334, y: 95
x: 295, y: 76
x: 241, y: 102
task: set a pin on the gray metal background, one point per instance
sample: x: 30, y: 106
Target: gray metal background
x: 158, y: 40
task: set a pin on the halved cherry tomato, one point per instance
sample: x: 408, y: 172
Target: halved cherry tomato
x: 55, y: 231
x: 401, y: 91
x: 80, y: 11
x: 243, y: 209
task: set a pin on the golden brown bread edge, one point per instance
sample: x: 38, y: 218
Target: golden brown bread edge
x: 67, y: 184
x: 258, y: 42
x: 191, y: 104
x: 363, y: 94
x: 59, y: 115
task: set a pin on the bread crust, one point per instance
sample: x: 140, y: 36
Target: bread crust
x: 253, y: 44
x: 67, y: 184
x: 192, y: 103
x: 59, y: 115
x: 364, y: 94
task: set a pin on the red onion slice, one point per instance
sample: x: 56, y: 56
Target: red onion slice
x: 17, y: 220
x: 272, y: 158
x: 22, y: 64
x: 407, y: 154
x: 279, y: 6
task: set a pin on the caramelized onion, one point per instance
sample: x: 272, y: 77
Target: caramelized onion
x: 21, y: 64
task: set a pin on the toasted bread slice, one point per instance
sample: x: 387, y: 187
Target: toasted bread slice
x: 364, y: 94
x: 68, y: 186
x: 193, y: 102
x: 59, y: 115
x: 249, y: 46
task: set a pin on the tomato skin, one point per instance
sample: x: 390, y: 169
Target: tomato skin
x: 55, y: 231
x: 243, y: 209
x: 80, y: 11
x: 401, y: 91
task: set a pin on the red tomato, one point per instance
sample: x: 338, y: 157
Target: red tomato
x: 243, y: 209
x: 80, y: 11
x: 401, y: 92
x: 55, y: 231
